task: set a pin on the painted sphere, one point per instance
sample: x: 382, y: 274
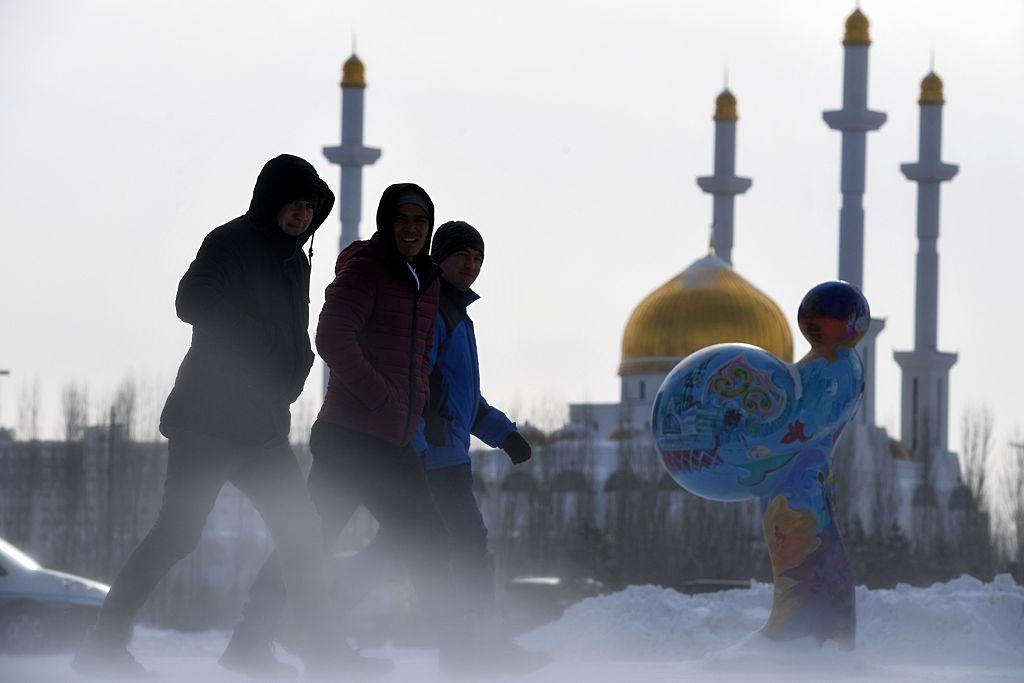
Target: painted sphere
x: 834, y: 315
x: 723, y: 422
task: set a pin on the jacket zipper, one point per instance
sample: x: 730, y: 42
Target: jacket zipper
x: 412, y: 360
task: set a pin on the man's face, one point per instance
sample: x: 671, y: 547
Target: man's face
x: 411, y: 225
x: 462, y: 268
x: 295, y: 216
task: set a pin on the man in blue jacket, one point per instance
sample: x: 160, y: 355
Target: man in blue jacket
x: 457, y: 410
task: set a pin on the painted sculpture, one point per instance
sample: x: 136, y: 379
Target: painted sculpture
x: 733, y: 422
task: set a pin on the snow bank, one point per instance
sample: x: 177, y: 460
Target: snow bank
x: 963, y: 631
x: 963, y: 622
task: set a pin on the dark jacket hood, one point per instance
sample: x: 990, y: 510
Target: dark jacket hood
x: 283, y: 179
x: 385, y: 235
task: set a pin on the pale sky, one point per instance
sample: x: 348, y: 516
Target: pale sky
x: 569, y: 133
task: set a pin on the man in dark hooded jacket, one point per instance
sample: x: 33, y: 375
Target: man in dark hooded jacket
x: 227, y: 417
x: 375, y: 334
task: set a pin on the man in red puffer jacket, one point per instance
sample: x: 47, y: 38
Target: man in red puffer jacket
x: 375, y: 334
x: 377, y: 323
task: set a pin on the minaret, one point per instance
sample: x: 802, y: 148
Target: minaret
x: 724, y: 184
x: 351, y: 155
x: 854, y: 120
x: 925, y: 401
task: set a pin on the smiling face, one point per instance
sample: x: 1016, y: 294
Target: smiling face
x: 462, y: 268
x: 411, y: 225
x: 295, y: 216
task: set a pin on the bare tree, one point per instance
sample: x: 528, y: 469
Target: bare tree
x: 150, y: 396
x: 885, y: 496
x: 976, y: 451
x: 547, y: 413
x: 74, y: 400
x: 29, y: 410
x: 971, y: 514
x: 1014, y: 489
x: 124, y: 409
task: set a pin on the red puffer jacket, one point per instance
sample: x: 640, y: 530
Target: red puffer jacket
x: 375, y: 333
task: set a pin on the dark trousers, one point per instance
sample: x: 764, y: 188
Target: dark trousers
x: 352, y: 469
x: 198, y: 466
x: 452, y: 489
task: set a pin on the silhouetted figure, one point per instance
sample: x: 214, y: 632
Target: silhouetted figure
x: 227, y: 418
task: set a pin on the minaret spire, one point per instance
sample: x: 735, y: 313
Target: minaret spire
x: 925, y: 401
x: 351, y: 154
x: 724, y: 184
x: 854, y: 121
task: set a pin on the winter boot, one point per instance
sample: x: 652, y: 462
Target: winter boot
x: 255, y: 658
x: 109, y: 659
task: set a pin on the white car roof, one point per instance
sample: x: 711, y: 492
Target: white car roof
x: 9, y: 552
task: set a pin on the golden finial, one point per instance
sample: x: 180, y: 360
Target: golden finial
x: 353, y: 73
x: 931, y: 90
x: 725, y: 106
x: 857, y: 29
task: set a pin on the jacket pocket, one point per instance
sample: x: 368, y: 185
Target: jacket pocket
x: 352, y: 401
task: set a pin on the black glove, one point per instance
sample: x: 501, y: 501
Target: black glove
x: 517, y: 447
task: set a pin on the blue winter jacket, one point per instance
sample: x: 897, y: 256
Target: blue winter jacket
x: 456, y: 409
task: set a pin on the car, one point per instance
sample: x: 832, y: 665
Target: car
x: 529, y: 601
x: 42, y: 610
x: 698, y: 586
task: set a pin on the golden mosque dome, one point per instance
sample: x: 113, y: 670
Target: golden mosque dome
x: 857, y: 29
x: 931, y: 90
x: 725, y: 106
x: 353, y: 73
x: 708, y: 303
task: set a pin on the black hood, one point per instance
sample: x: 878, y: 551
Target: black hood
x: 385, y: 235
x: 283, y: 179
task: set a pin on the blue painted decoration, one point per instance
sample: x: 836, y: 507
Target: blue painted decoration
x: 732, y: 422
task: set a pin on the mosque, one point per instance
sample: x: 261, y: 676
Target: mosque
x: 914, y: 480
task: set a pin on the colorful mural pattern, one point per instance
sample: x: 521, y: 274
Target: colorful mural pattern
x: 732, y: 422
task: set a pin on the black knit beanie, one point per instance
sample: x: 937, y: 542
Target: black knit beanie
x: 452, y: 236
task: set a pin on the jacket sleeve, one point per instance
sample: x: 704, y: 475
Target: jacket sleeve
x: 433, y: 422
x: 202, y: 301
x: 491, y: 425
x: 348, y: 303
x: 419, y: 439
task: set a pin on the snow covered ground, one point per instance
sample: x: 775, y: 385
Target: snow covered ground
x: 963, y: 630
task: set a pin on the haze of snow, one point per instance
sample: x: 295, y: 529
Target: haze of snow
x: 964, y: 630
